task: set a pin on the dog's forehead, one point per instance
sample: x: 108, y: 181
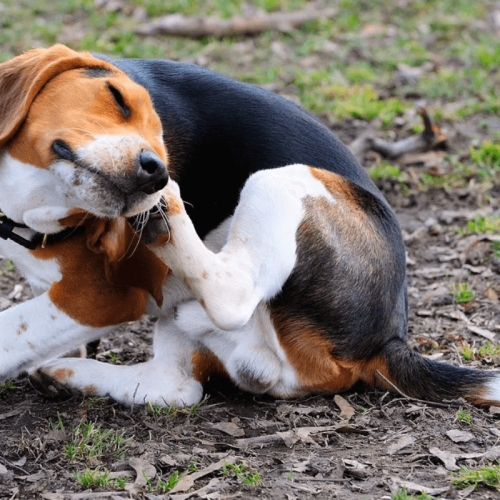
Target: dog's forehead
x: 85, y: 87
x: 80, y: 104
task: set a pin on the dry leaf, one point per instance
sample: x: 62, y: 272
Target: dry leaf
x: 491, y: 294
x: 346, y: 410
x: 402, y: 443
x: 458, y: 436
x: 423, y: 489
x: 303, y: 434
x: 56, y: 435
x: 447, y: 458
x: 229, y: 428
x: 199, y: 493
x: 187, y: 482
x: 168, y: 460
x: 465, y: 493
x: 492, y: 454
x: 143, y: 470
x: 481, y: 331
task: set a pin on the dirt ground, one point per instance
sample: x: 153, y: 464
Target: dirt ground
x: 300, y: 448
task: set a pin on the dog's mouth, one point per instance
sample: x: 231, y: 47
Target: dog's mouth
x: 110, y: 190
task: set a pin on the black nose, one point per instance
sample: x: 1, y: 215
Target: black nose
x: 152, y: 174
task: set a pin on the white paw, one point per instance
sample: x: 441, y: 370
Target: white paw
x: 150, y: 382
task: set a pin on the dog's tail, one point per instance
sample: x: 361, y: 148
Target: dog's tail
x: 422, y: 378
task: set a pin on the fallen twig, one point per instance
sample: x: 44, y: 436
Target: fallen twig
x: 429, y: 138
x: 401, y: 393
x: 197, y: 27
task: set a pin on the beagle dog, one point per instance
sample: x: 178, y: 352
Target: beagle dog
x: 281, y: 266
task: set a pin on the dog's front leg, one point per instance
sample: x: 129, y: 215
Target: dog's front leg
x: 167, y: 379
x: 36, y: 331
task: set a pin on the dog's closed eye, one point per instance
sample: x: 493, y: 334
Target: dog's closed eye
x: 125, y: 110
x: 62, y: 150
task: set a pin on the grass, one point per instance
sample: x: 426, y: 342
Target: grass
x: 162, y: 485
x: 462, y: 293
x: 92, y: 444
x: 485, y: 476
x: 352, y: 79
x: 486, y: 350
x: 96, y: 478
x: 402, y: 494
x: 113, y: 358
x: 7, y: 386
x: 464, y: 416
x: 495, y: 248
x: 481, y: 224
x: 487, y: 153
x: 384, y: 170
x: 156, y: 411
x: 9, y: 267
x: 238, y: 470
x: 59, y: 425
x: 319, y: 93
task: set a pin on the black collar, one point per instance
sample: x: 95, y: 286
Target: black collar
x: 7, y: 227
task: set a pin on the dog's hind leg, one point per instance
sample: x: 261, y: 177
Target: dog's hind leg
x: 260, y: 251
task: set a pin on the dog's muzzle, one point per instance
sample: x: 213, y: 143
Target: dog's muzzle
x: 152, y: 175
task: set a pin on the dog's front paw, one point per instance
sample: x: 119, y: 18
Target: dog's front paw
x: 152, y: 382
x: 48, y: 386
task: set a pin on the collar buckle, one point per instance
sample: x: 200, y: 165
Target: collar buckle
x: 7, y: 232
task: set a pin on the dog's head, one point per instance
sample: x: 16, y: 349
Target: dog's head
x: 77, y: 135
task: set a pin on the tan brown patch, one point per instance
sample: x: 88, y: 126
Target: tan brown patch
x: 347, y: 215
x: 206, y: 363
x: 75, y: 217
x: 355, y: 233
x: 30, y: 84
x: 62, y: 374
x: 204, y: 275
x: 103, y: 283
x: 477, y: 397
x: 90, y: 390
x: 313, y: 357
x: 340, y: 188
x: 23, y: 327
x: 32, y: 346
x: 174, y: 206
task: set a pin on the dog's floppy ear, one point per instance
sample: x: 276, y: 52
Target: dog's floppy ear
x: 24, y: 76
x: 128, y: 261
